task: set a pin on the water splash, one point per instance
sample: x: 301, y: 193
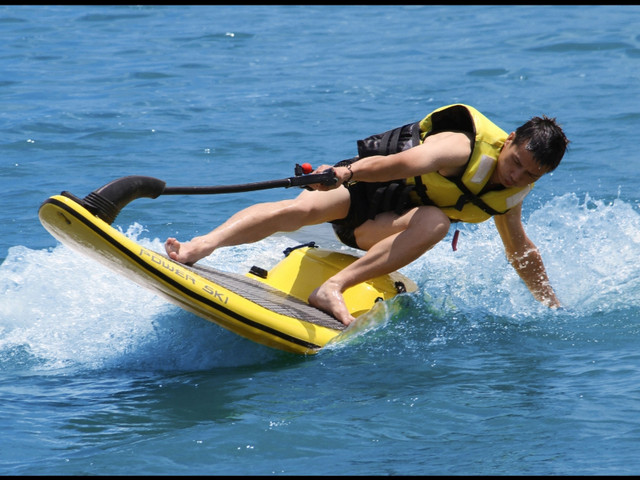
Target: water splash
x: 62, y: 310
x: 589, y: 248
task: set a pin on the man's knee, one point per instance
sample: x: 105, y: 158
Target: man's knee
x: 433, y: 222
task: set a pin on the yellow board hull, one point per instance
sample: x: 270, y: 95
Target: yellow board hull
x: 271, y: 311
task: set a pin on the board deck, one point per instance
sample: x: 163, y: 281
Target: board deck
x: 268, y: 307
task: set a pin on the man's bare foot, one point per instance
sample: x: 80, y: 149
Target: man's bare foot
x: 328, y: 298
x: 187, y: 252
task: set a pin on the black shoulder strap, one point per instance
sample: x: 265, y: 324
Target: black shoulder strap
x: 421, y: 190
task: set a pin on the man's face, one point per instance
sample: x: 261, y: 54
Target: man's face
x: 517, y: 166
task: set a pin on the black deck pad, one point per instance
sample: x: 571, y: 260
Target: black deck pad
x: 267, y: 296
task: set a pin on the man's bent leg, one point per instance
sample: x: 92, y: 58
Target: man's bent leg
x: 408, y: 237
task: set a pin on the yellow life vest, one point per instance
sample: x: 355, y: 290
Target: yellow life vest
x: 458, y: 197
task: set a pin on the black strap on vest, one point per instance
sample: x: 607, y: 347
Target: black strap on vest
x: 469, y: 197
x: 421, y: 190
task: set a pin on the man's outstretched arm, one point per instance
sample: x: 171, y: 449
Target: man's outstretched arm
x: 525, y: 257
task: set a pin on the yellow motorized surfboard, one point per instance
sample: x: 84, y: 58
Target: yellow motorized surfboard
x: 268, y: 307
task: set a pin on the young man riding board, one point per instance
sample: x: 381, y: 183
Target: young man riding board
x: 398, y: 198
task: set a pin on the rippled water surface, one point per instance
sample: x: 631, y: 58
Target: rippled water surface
x: 467, y: 376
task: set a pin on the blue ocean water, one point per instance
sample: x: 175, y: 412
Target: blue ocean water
x: 469, y: 375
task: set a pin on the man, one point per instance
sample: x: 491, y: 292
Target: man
x: 398, y: 198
